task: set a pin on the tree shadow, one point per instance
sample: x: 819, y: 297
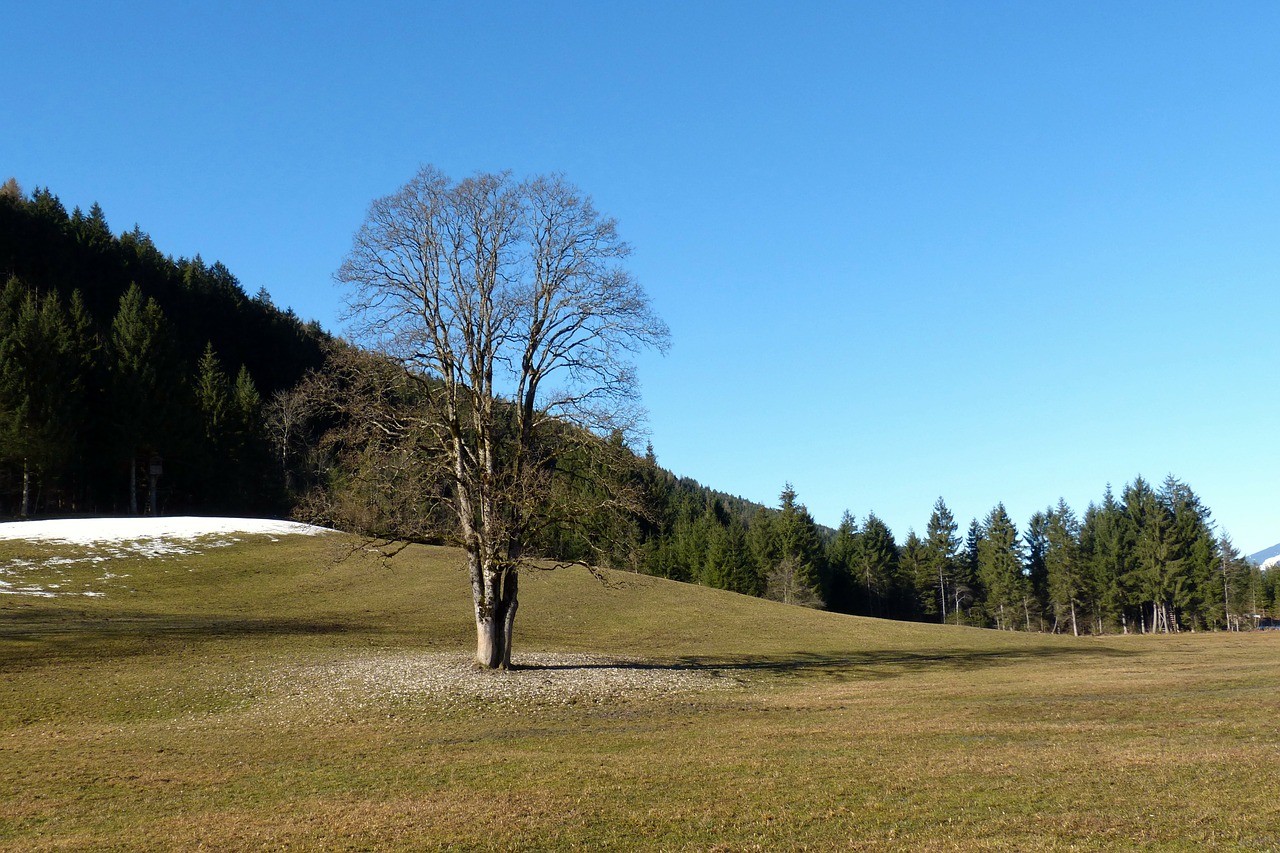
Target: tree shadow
x: 865, y: 664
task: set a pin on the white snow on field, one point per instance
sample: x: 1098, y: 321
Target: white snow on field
x: 106, y: 539
x: 87, y: 531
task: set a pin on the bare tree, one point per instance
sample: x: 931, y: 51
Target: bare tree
x: 508, y: 305
x: 287, y: 413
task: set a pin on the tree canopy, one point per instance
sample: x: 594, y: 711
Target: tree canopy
x: 507, y: 303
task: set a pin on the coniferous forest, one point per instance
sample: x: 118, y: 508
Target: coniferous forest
x: 132, y: 382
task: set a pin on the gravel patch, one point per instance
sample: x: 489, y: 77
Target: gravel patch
x: 541, y: 680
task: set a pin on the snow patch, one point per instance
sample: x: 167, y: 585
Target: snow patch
x: 118, y: 538
x: 89, y: 531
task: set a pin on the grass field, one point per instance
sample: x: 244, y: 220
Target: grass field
x: 262, y: 695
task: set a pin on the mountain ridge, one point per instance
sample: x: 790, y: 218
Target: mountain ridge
x: 1267, y: 556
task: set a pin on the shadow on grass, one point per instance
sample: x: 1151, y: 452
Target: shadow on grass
x: 876, y: 664
x: 40, y: 634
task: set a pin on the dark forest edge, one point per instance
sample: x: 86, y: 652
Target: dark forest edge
x: 118, y: 363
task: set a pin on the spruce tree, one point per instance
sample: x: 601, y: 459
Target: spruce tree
x: 942, y: 547
x: 876, y: 567
x: 145, y: 389
x: 967, y: 587
x: 845, y: 593
x: 1068, y: 582
x: 797, y: 576
x: 213, y: 396
x: 1000, y: 567
x: 916, y: 566
x: 42, y: 386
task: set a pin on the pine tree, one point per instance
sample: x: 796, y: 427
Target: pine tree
x: 1102, y: 552
x: 942, y: 547
x: 846, y: 592
x: 1036, y: 543
x: 213, y: 396
x: 43, y: 376
x: 729, y: 561
x: 1067, y: 579
x: 1236, y: 577
x: 762, y: 541
x: 1139, y: 543
x: 1194, y: 551
x: 876, y: 567
x: 1000, y: 567
x: 796, y: 578
x: 915, y: 565
x: 967, y: 587
x: 144, y: 387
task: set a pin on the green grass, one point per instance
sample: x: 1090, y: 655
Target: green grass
x: 162, y: 715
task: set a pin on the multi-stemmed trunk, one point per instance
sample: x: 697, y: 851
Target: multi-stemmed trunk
x: 494, y: 594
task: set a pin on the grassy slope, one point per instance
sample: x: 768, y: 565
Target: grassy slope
x: 157, y: 717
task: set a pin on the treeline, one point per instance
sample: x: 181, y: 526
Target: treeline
x: 130, y: 381
x: 1148, y: 561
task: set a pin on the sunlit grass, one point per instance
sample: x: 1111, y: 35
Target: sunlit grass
x: 162, y: 715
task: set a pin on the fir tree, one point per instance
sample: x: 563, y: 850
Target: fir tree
x: 916, y: 565
x: 1000, y: 567
x: 845, y: 594
x: 143, y: 382
x: 1068, y: 582
x: 796, y: 577
x: 942, y: 546
x: 876, y: 567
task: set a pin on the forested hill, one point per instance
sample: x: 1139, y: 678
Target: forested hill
x: 114, y: 356
x: 51, y: 250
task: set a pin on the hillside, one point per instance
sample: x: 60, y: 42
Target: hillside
x: 51, y: 250
x: 117, y: 360
x: 211, y: 571
x: 1266, y: 555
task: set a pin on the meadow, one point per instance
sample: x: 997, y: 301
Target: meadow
x: 296, y: 693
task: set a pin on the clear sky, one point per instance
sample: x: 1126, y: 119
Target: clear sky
x: 977, y: 250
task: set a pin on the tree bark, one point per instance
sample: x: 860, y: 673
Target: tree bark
x: 494, y: 592
x: 133, y: 485
x: 942, y: 585
x: 26, y: 489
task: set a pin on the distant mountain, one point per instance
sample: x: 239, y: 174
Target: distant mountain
x: 1267, y: 557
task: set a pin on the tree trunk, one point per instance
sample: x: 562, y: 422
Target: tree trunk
x: 133, y: 485
x: 494, y: 592
x: 25, y: 509
x: 1226, y: 592
x: 1075, y: 631
x: 942, y: 585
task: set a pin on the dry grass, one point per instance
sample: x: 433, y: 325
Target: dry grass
x: 261, y: 696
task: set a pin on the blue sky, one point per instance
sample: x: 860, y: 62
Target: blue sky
x: 983, y: 251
